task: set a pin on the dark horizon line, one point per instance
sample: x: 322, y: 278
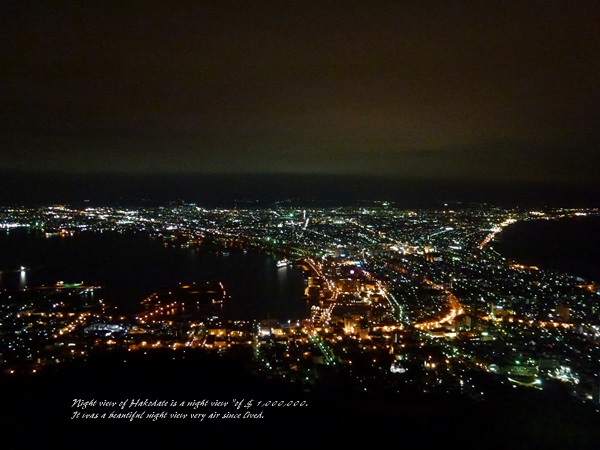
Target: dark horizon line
x: 383, y: 176
x: 213, y: 189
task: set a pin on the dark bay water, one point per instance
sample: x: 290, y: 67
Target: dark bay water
x: 569, y: 245
x: 132, y: 266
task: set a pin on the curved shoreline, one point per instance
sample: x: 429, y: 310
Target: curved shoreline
x: 555, y: 244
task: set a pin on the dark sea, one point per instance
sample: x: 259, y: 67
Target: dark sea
x: 114, y: 189
x: 568, y: 245
x: 129, y: 267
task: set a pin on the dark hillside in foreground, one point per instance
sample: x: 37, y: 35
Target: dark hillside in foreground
x: 36, y: 410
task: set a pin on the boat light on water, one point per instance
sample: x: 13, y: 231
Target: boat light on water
x: 284, y: 263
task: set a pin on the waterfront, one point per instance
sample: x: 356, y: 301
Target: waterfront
x: 131, y: 266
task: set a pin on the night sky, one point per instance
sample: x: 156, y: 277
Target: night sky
x: 465, y: 90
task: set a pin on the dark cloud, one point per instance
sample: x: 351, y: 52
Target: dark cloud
x: 465, y: 90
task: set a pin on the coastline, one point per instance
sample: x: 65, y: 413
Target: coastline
x: 566, y: 244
